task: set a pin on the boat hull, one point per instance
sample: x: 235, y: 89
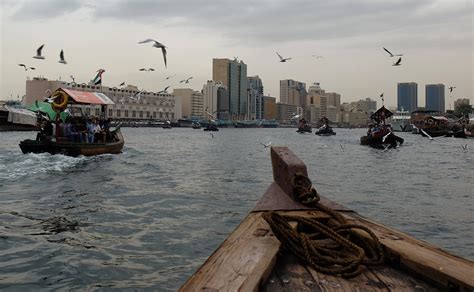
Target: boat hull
x: 71, y: 148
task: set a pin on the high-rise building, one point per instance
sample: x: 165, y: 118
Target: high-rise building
x: 328, y: 104
x: 191, y: 102
x: 233, y: 75
x: 407, y: 96
x: 460, y: 101
x: 293, y: 92
x: 216, y: 99
x: 269, y: 108
x: 255, y: 101
x: 434, y: 97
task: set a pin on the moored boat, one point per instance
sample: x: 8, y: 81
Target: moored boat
x: 400, y: 121
x: 379, y: 134
x: 256, y: 257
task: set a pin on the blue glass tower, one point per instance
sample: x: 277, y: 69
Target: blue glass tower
x: 434, y: 97
x: 407, y: 96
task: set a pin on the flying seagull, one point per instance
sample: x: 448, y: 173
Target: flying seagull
x: 164, y: 90
x: 342, y: 147
x: 168, y: 77
x: 72, y: 77
x: 156, y: 44
x: 137, y: 95
x: 282, y: 59
x: 186, y: 80
x: 464, y: 147
x: 451, y: 88
x: 61, y: 58
x: 26, y: 68
x: 392, y: 55
x: 266, y: 145
x: 212, y: 135
x: 145, y: 69
x: 38, y: 53
x: 398, y: 63
x: 122, y: 84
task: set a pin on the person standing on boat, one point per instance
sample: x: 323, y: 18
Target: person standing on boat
x: 91, y: 130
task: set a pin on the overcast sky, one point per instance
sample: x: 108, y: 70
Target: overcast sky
x: 436, y: 38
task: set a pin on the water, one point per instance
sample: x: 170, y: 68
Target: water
x: 146, y: 219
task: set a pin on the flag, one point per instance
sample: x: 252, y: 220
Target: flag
x: 98, y: 78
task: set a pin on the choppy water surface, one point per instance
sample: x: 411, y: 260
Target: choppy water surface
x: 149, y: 217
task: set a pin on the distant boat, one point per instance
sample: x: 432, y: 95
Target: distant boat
x: 196, y: 125
x: 324, y: 128
x: 166, y: 125
x: 269, y: 124
x: 400, y: 121
x: 211, y: 127
x: 379, y: 134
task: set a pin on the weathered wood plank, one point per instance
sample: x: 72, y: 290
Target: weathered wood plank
x: 395, y: 280
x: 421, y: 258
x: 285, y: 165
x: 241, y: 262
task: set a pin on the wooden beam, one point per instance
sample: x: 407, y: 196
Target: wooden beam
x: 285, y: 165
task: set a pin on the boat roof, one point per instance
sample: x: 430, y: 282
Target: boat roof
x: 87, y: 97
x: 381, y: 114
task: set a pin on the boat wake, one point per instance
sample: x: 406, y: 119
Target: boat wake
x: 17, y: 165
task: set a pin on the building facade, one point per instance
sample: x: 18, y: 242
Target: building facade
x: 407, y: 96
x: 435, y: 97
x: 150, y: 105
x: 322, y: 104
x: 216, y: 99
x: 286, y: 112
x: 255, y: 100
x: 233, y: 75
x: 191, y: 102
x: 293, y: 92
x: 269, y: 108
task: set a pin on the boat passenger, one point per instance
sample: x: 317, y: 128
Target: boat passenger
x: 99, y: 134
x: 91, y: 130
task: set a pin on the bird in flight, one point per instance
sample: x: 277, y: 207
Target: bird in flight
x: 342, y: 147
x: 392, y: 55
x: 451, y: 88
x: 398, y: 63
x: 186, y: 80
x: 122, y: 84
x: 212, y: 135
x: 145, y: 69
x: 26, y: 68
x: 168, y: 77
x: 38, y: 53
x: 164, y: 90
x: 282, y: 59
x: 317, y: 56
x: 61, y: 58
x: 137, y: 95
x: 464, y: 147
x: 266, y: 145
x: 72, y: 77
x: 156, y: 44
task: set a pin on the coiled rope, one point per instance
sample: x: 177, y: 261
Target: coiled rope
x: 331, y: 246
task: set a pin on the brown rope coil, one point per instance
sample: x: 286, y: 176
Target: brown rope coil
x: 331, y: 246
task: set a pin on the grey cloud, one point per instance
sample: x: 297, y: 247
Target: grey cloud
x: 43, y: 9
x: 276, y: 21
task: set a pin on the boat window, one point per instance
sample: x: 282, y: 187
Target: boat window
x: 126, y: 113
x: 118, y: 113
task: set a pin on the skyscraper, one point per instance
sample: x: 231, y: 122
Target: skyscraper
x: 434, y: 97
x: 255, y: 106
x: 233, y: 75
x: 407, y: 96
x: 293, y: 92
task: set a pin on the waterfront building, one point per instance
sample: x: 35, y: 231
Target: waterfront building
x: 151, y: 105
x: 216, y: 99
x: 435, y: 98
x: 293, y: 92
x: 233, y: 75
x: 286, y: 112
x: 328, y: 103
x: 269, y: 108
x: 191, y: 103
x: 255, y: 100
x: 368, y: 105
x: 407, y: 96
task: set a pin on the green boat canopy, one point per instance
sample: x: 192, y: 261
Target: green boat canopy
x: 45, y: 107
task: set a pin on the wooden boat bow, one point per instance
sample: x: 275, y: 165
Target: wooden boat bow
x: 250, y: 259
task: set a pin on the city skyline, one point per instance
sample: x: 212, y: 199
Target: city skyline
x: 436, y: 40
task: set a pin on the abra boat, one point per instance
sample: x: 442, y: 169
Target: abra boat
x: 196, y: 125
x: 55, y: 144
x: 380, y: 135
x: 324, y: 128
x: 256, y: 257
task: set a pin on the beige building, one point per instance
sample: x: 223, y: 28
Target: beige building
x: 285, y: 112
x: 292, y: 92
x: 151, y: 105
x: 191, y: 102
x: 269, y: 108
x: 328, y: 103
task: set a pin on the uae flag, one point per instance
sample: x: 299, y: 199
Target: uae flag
x: 98, y: 78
